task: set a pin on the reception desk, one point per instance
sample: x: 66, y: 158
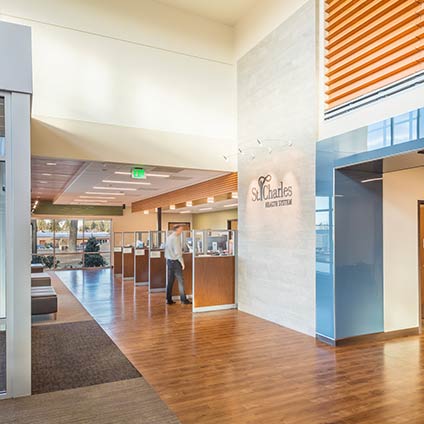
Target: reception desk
x: 214, y: 283
x: 128, y: 263
x: 188, y: 278
x: 117, y: 261
x: 214, y: 270
x: 157, y: 270
x: 141, y: 263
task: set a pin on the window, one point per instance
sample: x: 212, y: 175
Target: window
x: 71, y: 243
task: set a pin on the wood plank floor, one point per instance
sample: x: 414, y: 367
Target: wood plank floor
x: 230, y: 367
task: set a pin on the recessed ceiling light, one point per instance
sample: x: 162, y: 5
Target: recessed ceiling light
x: 146, y: 212
x: 205, y: 209
x: 370, y: 180
x: 97, y: 197
x: 230, y: 206
x: 211, y: 200
x: 122, y: 173
x: 51, y: 163
x: 43, y: 182
x: 113, y: 194
x: 46, y: 175
x: 185, y: 212
x: 158, y: 175
x: 90, y: 201
x: 125, y: 182
x: 114, y: 188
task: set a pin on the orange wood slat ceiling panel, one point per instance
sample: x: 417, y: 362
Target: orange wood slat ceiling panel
x: 370, y: 44
x: 215, y: 187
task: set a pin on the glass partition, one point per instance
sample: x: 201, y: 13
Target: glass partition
x: 118, y: 242
x: 157, y: 240
x: 129, y: 239
x: 214, y: 242
x: 187, y: 241
x: 142, y: 239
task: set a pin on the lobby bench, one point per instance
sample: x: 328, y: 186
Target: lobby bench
x: 43, y: 300
x: 40, y: 279
x: 37, y: 268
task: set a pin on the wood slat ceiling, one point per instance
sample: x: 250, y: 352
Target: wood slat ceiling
x: 370, y: 44
x: 215, y: 187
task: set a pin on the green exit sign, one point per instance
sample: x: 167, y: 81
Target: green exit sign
x: 138, y: 173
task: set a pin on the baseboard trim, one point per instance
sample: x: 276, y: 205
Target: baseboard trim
x: 214, y: 308
x: 370, y: 338
x: 325, y: 339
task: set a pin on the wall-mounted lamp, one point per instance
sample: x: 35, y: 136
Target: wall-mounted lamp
x: 172, y: 207
x: 189, y: 203
x: 211, y: 200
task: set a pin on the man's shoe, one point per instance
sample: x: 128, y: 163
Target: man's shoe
x: 170, y: 302
x: 186, y: 302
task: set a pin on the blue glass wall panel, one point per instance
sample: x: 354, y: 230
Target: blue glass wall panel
x: 336, y: 283
x: 358, y: 251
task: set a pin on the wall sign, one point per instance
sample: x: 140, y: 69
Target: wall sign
x: 270, y: 195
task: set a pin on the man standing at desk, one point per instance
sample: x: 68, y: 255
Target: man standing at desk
x: 175, y: 264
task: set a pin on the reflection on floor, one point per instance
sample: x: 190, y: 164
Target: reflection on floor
x: 230, y: 367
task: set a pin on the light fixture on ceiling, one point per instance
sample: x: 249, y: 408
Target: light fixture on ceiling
x: 51, y: 163
x: 172, y: 207
x: 114, y: 188
x: 231, y: 206
x: 234, y: 195
x: 211, y: 200
x: 146, y: 212
x: 185, y: 212
x: 46, y: 175
x: 43, y: 182
x: 90, y: 201
x: 125, y: 182
x: 97, y: 197
x: 189, y: 204
x: 370, y: 180
x: 112, y: 194
x: 205, y: 209
x: 147, y: 174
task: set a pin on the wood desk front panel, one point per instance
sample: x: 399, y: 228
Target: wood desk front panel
x: 128, y: 264
x: 158, y: 272
x: 117, y: 262
x: 142, y: 267
x: 214, y: 281
x: 188, y: 276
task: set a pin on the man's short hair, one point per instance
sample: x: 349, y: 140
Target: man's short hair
x: 178, y: 226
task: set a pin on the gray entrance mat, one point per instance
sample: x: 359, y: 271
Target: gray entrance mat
x: 76, y: 354
x: 130, y: 402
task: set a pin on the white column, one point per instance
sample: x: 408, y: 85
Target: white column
x: 18, y: 192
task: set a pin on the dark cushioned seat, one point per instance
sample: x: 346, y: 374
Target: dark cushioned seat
x: 40, y: 280
x: 43, y: 300
x: 37, y: 268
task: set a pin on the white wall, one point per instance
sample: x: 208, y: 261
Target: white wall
x: 277, y: 98
x: 261, y: 20
x: 401, y: 192
x: 130, y: 65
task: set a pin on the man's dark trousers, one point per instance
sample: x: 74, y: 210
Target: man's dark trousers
x: 175, y: 271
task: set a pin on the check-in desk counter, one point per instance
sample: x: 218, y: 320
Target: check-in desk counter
x: 214, y: 271
x: 141, y: 258
x: 157, y: 261
x: 117, y: 253
x: 187, y: 246
x: 141, y: 264
x: 128, y: 256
